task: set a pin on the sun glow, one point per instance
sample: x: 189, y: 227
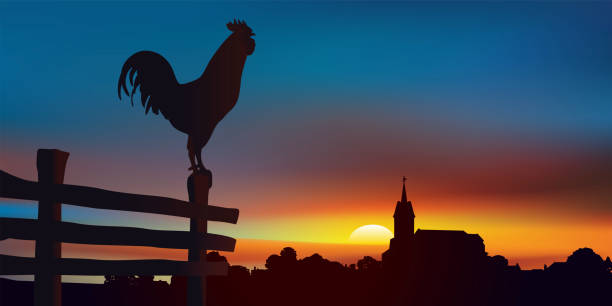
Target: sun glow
x: 371, y: 234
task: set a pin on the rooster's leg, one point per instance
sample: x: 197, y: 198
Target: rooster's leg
x: 201, y: 167
x: 199, y: 157
x: 191, y: 153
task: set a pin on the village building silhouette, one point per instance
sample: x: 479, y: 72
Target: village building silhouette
x: 428, y: 246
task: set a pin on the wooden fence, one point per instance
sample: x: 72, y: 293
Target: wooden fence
x: 49, y: 231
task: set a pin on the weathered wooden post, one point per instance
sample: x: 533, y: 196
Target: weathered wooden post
x: 198, y: 185
x: 51, y: 166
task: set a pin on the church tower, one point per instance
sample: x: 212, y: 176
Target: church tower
x: 403, y: 217
x: 402, y: 243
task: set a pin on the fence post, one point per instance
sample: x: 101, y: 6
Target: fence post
x: 51, y: 166
x: 198, y: 185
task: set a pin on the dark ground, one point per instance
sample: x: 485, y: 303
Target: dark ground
x: 585, y: 279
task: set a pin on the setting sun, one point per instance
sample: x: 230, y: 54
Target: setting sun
x: 371, y: 234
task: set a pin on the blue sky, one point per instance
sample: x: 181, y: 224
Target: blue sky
x: 543, y: 66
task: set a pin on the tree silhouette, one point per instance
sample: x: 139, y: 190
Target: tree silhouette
x: 369, y: 264
x: 289, y: 254
x: 285, y: 263
x: 273, y: 262
x: 585, y: 261
x: 214, y: 256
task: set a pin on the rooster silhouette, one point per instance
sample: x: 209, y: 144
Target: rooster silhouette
x: 194, y: 108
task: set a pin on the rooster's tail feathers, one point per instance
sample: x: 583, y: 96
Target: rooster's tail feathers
x: 153, y: 74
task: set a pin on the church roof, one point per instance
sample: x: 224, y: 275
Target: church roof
x: 403, y: 208
x: 446, y: 233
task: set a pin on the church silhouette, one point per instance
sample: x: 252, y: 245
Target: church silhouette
x: 439, y: 248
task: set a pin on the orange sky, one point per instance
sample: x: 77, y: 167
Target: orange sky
x: 531, y: 210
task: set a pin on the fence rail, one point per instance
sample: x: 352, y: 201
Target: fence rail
x: 49, y: 231
x: 29, y: 229
x: 18, y: 188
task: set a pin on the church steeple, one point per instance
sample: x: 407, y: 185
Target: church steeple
x: 403, y: 216
x: 404, y: 200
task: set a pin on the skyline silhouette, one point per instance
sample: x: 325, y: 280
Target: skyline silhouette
x: 584, y: 278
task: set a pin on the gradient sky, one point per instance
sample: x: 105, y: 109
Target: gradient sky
x: 498, y: 114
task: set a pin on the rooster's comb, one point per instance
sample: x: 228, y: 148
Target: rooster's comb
x: 237, y: 26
